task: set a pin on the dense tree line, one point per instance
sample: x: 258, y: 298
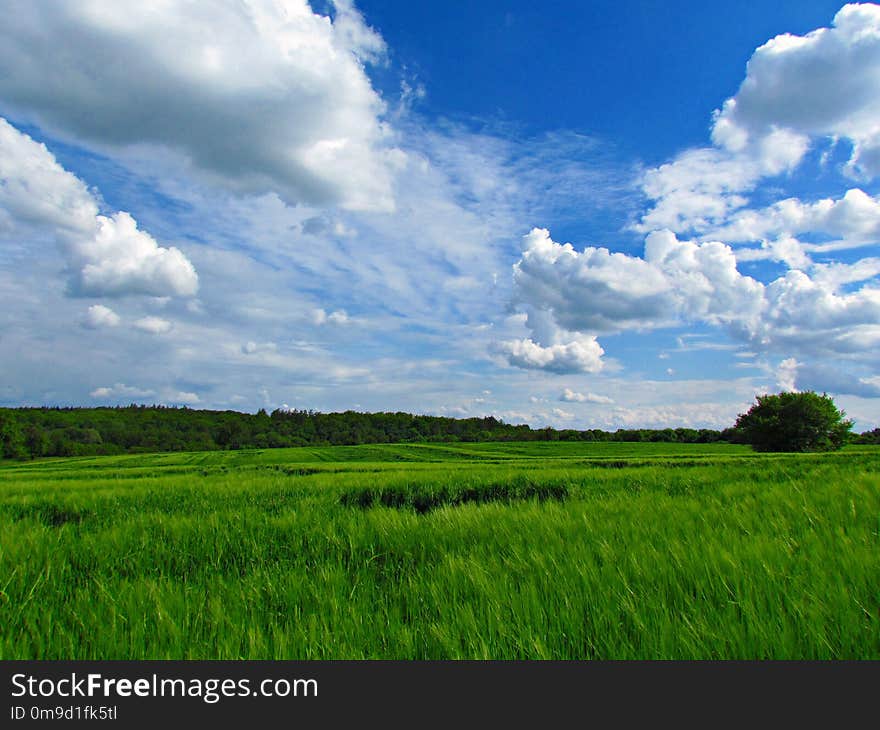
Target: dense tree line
x: 33, y: 432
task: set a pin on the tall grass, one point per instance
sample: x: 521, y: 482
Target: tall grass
x: 464, y: 551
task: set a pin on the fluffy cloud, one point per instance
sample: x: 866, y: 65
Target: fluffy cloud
x: 582, y: 355
x: 570, y: 396
x: 796, y: 89
x: 854, y: 218
x: 106, y: 255
x: 596, y: 291
x: 835, y: 275
x: 321, y: 317
x: 786, y: 374
x: 702, y: 187
x: 259, y: 95
x: 821, y: 84
x: 153, y: 325
x: 99, y: 316
x: 121, y: 259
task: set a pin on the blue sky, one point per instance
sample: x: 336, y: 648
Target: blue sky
x: 576, y: 214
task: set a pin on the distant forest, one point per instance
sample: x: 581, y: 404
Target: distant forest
x: 34, y: 432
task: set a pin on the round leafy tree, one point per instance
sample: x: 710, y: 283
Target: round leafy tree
x: 794, y: 422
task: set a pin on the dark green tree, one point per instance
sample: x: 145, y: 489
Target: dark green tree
x: 794, y: 422
x: 11, y: 437
x: 869, y: 437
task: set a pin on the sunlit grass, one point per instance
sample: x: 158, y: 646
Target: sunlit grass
x: 443, y: 551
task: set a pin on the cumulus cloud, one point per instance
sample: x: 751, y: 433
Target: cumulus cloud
x: 121, y: 259
x: 701, y: 222
x: 582, y: 355
x: 153, y: 325
x: 677, y: 281
x: 854, y: 217
x: 99, y: 316
x: 258, y: 95
x: 702, y: 187
x: 594, y: 290
x: 835, y: 275
x: 796, y: 89
x: 571, y: 396
x: 106, y: 255
x: 820, y: 84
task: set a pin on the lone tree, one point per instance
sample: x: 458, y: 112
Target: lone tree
x: 794, y: 422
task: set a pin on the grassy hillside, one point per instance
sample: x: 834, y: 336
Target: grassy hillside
x: 522, y: 550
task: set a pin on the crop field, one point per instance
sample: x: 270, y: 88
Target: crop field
x: 478, y: 551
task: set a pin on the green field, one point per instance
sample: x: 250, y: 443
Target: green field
x: 521, y: 550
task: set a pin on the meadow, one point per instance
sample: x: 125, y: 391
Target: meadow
x: 464, y: 551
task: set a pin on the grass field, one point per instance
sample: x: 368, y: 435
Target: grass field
x: 544, y: 550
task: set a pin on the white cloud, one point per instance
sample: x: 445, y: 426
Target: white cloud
x: 121, y: 390
x: 106, y: 255
x: 99, y: 316
x: 596, y: 291
x: 454, y: 411
x: 702, y: 187
x: 796, y: 89
x: 855, y: 217
x: 582, y: 355
x: 593, y: 290
x: 786, y: 374
x: 251, y: 347
x: 821, y: 84
x: 835, y: 275
x: 678, y: 281
x: 258, y: 95
x: 571, y: 396
x: 121, y: 260
x: 180, y: 397
x: 321, y: 317
x: 785, y: 249
x: 673, y: 415
x: 153, y: 325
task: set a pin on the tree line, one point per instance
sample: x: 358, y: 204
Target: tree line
x: 35, y: 432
